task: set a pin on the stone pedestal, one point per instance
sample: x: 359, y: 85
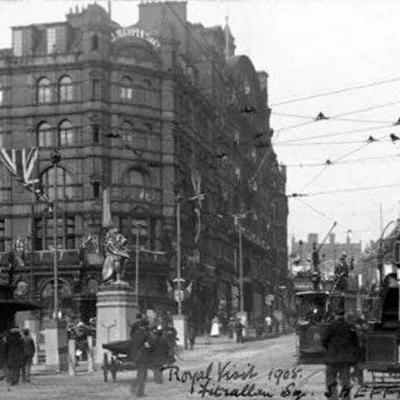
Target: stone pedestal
x: 116, y: 313
x: 181, y: 326
x: 56, y: 345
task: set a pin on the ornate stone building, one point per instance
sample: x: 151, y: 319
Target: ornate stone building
x: 158, y: 112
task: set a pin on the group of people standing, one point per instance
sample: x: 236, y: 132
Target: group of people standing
x: 344, y: 340
x: 151, y: 348
x: 17, y: 349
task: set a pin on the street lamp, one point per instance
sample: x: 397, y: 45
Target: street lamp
x: 55, y: 159
x: 137, y: 255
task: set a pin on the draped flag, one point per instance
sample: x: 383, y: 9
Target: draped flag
x: 21, y: 163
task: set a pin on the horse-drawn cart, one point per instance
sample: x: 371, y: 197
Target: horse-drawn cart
x: 119, y: 360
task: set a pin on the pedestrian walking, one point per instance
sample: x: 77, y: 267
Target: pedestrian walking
x: 192, y: 336
x: 159, y: 355
x: 215, y: 327
x: 238, y: 328
x: 171, y: 337
x: 358, y: 368
x: 140, y: 354
x: 268, y: 324
x: 29, y: 352
x: 14, y: 354
x: 340, y: 341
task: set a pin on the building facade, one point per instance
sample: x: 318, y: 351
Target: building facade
x: 156, y: 113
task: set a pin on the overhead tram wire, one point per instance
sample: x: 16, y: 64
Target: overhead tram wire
x: 354, y: 161
x: 332, y: 118
x: 344, y: 190
x: 312, y: 180
x: 361, y: 110
x: 335, y: 91
x: 340, y: 133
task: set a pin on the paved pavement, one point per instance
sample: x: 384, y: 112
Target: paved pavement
x: 269, y: 365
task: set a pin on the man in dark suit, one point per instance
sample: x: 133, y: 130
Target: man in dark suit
x: 141, y: 346
x: 341, y: 343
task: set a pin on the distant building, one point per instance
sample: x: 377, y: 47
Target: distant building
x: 330, y: 252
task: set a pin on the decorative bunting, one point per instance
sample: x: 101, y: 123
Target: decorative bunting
x: 20, y: 163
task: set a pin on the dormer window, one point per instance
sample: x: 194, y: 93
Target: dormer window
x: 51, y: 40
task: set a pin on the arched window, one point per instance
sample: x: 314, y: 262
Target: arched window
x: 44, y: 135
x: 137, y: 184
x: 1, y: 95
x: 43, y: 91
x: 65, y: 133
x: 65, y: 188
x: 127, y: 131
x: 126, y: 88
x: 65, y: 89
x: 95, y: 42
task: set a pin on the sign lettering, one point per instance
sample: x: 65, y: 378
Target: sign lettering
x: 130, y: 31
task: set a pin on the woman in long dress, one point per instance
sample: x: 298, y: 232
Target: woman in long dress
x: 215, y: 327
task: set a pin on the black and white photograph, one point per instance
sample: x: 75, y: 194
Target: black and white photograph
x: 199, y: 199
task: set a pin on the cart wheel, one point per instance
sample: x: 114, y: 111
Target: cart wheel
x: 113, y: 369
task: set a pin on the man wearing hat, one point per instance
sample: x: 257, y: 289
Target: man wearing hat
x: 341, y: 344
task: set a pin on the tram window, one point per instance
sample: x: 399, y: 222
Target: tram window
x: 311, y: 307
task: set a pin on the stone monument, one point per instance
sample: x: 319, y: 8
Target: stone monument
x: 116, y: 300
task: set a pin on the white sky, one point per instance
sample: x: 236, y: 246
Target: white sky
x: 307, y: 47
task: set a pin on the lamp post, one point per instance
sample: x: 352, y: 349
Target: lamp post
x: 55, y: 159
x: 138, y: 227
x: 137, y: 264
x: 178, y: 255
x: 241, y: 269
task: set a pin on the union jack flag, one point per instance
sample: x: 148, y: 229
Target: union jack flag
x: 21, y: 163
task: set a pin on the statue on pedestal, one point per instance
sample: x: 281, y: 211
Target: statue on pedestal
x: 115, y: 253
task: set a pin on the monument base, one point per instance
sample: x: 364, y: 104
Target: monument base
x: 116, y: 312
x: 180, y: 324
x: 56, y: 346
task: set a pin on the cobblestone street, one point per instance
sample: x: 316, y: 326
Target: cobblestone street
x: 267, y: 356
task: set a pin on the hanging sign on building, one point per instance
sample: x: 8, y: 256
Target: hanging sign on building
x: 131, y: 31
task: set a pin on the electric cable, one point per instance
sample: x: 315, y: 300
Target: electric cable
x: 313, y: 179
x: 335, y: 91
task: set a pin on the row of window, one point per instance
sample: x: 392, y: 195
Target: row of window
x: 65, y: 90
x: 66, y: 232
x: 64, y: 86
x: 65, y: 135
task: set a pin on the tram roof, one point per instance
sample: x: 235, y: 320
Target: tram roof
x: 310, y: 292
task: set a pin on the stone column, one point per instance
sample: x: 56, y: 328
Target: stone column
x: 116, y: 313
x: 56, y: 345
